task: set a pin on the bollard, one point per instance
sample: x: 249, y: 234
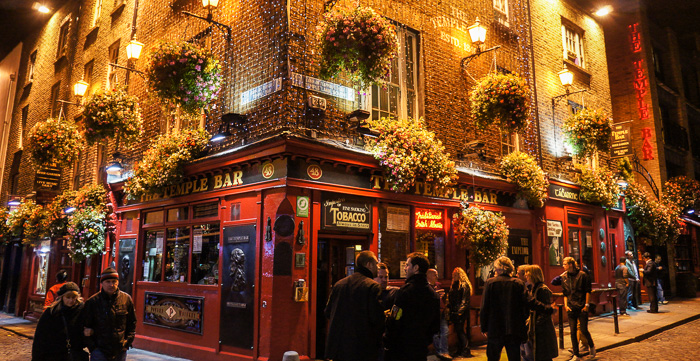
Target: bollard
x: 290, y: 356
x: 561, y: 326
x: 617, y: 326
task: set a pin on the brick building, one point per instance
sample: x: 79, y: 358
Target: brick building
x: 270, y: 189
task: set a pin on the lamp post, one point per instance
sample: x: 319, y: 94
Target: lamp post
x: 477, y: 35
x: 80, y: 88
x: 210, y: 5
x: 133, y: 49
x: 566, y: 77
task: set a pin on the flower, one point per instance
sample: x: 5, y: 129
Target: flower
x: 599, y: 186
x: 501, y: 99
x: 55, y: 141
x: 25, y: 222
x: 107, y: 114
x: 483, y: 232
x: 588, y: 131
x: 521, y: 169
x: 86, y: 230
x: 365, y: 47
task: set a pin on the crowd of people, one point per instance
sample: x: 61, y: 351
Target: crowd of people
x: 104, y: 325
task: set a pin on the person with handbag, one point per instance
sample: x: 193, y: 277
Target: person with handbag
x: 542, y: 339
x: 459, y: 299
x: 59, y: 333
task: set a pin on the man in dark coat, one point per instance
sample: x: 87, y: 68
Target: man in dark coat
x: 388, y: 292
x: 576, y: 287
x: 504, y: 311
x: 355, y: 314
x: 110, y: 320
x: 415, y: 316
x: 651, y: 272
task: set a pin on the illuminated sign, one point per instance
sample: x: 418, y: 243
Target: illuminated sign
x: 641, y: 83
x: 429, y: 219
x: 647, y: 148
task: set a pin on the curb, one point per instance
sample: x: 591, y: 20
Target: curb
x: 19, y: 333
x: 649, y: 334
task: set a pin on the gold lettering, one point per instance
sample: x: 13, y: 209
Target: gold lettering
x: 188, y: 187
x: 238, y: 178
x: 417, y: 189
x: 485, y: 198
x: 203, y: 186
x: 196, y: 189
x: 375, y: 180
x: 477, y: 196
x: 427, y: 189
x: 494, y: 199
x: 227, y: 180
x: 464, y: 194
x: 217, y: 181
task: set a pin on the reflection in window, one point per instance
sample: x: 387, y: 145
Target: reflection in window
x: 205, y: 254
x: 587, y: 247
x: 177, y: 250
x: 205, y: 210
x: 154, y: 217
x: 177, y: 214
x: 395, y: 224
x: 153, y: 258
x: 42, y: 273
x: 432, y: 245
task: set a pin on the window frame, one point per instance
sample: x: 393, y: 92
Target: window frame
x: 580, y: 229
x: 31, y: 67
x: 501, y: 8
x: 112, y: 57
x: 54, y: 110
x: 96, y: 13
x: 577, y: 40
x: 63, y: 38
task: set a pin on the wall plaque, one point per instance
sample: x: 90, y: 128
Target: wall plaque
x: 347, y: 214
x: 177, y: 312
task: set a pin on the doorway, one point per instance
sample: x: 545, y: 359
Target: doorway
x: 335, y: 260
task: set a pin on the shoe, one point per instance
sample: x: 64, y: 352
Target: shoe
x: 444, y: 357
x: 625, y: 315
x: 632, y: 308
x: 575, y: 358
x: 583, y: 349
x: 663, y: 302
x: 466, y: 354
x: 650, y: 311
x: 592, y: 353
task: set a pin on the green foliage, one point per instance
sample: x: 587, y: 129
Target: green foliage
x: 26, y: 221
x: 520, y: 168
x: 588, y: 131
x: 55, y: 141
x: 654, y: 220
x: 599, y: 186
x: 483, y: 232
x: 407, y: 151
x: 683, y: 192
x: 4, y: 226
x: 111, y: 113
x: 626, y: 170
x: 503, y: 100
x: 86, y: 229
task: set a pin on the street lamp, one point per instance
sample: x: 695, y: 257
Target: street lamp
x: 210, y: 4
x: 477, y: 33
x: 566, y: 77
x: 133, y: 49
x: 80, y: 88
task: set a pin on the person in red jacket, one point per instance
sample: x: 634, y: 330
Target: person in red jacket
x: 61, y: 278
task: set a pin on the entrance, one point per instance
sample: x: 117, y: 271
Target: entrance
x: 336, y: 260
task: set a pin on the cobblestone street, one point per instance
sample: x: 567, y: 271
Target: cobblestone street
x: 677, y: 344
x: 14, y: 347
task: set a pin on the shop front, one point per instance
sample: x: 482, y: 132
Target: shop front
x: 237, y: 261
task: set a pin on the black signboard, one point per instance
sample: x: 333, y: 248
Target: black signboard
x: 177, y: 312
x: 48, y: 178
x: 519, y: 241
x: 346, y: 214
x: 620, y: 144
x: 125, y: 265
x: 565, y: 193
x: 238, y: 280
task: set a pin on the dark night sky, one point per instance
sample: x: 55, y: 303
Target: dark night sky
x: 17, y: 18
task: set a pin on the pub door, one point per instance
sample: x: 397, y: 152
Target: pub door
x: 336, y: 260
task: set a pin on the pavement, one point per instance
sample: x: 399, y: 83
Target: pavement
x: 639, y: 326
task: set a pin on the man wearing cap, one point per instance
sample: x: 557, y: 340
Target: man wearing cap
x: 110, y: 321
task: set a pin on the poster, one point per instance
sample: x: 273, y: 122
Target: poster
x: 125, y: 265
x: 197, y: 240
x: 554, y: 239
x: 237, y: 279
x: 176, y: 312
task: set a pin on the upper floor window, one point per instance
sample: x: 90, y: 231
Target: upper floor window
x: 399, y: 98
x: 55, y: 106
x: 501, y: 7
x: 32, y: 64
x: 23, y: 126
x: 509, y: 143
x: 87, y: 75
x: 97, y: 11
x: 113, y: 59
x: 572, y: 39
x: 63, y: 39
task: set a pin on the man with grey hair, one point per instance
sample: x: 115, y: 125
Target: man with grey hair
x: 633, y: 281
x: 504, y: 311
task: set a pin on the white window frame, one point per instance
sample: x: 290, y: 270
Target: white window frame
x: 111, y: 70
x: 402, y: 105
x: 501, y: 6
x: 510, y: 142
x: 97, y: 12
x: 572, y: 40
x: 32, y: 66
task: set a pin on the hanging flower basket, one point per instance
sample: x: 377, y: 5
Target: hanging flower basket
x: 111, y: 113
x: 183, y: 75
x: 683, y: 192
x: 588, y: 131
x: 520, y: 168
x: 408, y: 151
x: 86, y: 230
x: 162, y: 164
x: 55, y: 141
x: 483, y: 232
x: 358, y: 41
x: 502, y: 100
x: 599, y: 186
x: 90, y: 196
x: 657, y: 221
x: 26, y: 221
x: 4, y: 226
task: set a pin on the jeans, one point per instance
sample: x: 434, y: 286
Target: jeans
x: 632, y: 294
x: 660, y: 291
x: 582, y: 317
x: 622, y: 297
x: 97, y: 355
x: 440, y: 338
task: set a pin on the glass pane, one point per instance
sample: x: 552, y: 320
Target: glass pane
x: 409, y: 62
x: 375, y: 114
x: 587, y: 258
x: 177, y: 214
x: 154, y: 217
x: 586, y: 221
x: 384, y: 99
x: 411, y: 104
x: 375, y: 96
x: 393, y: 100
x: 395, y: 226
x: 395, y: 71
x: 432, y: 245
x: 205, y: 210
x: 42, y: 273
x: 177, y: 250
x: 205, y: 254
x: 574, y: 245
x: 153, y: 255
x: 572, y: 219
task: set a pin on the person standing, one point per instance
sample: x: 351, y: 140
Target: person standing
x: 622, y: 284
x: 541, y: 332
x: 659, y: 284
x: 415, y: 316
x: 61, y: 277
x: 650, y: 277
x: 633, y: 281
x: 355, y: 314
x: 458, y: 306
x: 110, y: 320
x: 576, y: 287
x: 504, y: 311
x: 59, y: 332
x: 440, y: 338
x: 387, y: 292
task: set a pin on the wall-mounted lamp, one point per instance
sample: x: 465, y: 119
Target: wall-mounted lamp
x: 14, y: 201
x: 115, y: 167
x: 69, y: 210
x: 41, y: 8
x: 211, y: 5
x: 473, y: 149
x: 359, y: 116
x: 477, y: 33
x: 228, y: 121
x: 133, y: 49
x: 80, y: 88
x: 605, y: 10
x: 566, y: 77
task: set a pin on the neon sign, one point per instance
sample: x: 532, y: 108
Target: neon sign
x: 429, y: 219
x: 641, y: 83
x: 647, y: 149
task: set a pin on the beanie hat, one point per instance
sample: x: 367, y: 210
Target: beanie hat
x: 68, y: 287
x: 109, y: 274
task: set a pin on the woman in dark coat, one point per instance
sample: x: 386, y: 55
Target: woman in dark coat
x: 458, y: 302
x: 541, y: 333
x: 59, y: 333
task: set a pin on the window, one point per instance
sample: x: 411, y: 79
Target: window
x: 113, y: 59
x: 63, y: 39
x: 96, y: 13
x: 30, y: 67
x: 54, y: 106
x: 76, y: 172
x: 509, y: 143
x: 657, y: 59
x: 87, y: 75
x: 153, y: 259
x: 580, y: 240
x: 395, y: 229
x: 205, y: 254
x: 177, y: 251
x: 501, y: 7
x: 177, y: 214
x: 399, y: 98
x: 23, y: 126
x: 572, y: 39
